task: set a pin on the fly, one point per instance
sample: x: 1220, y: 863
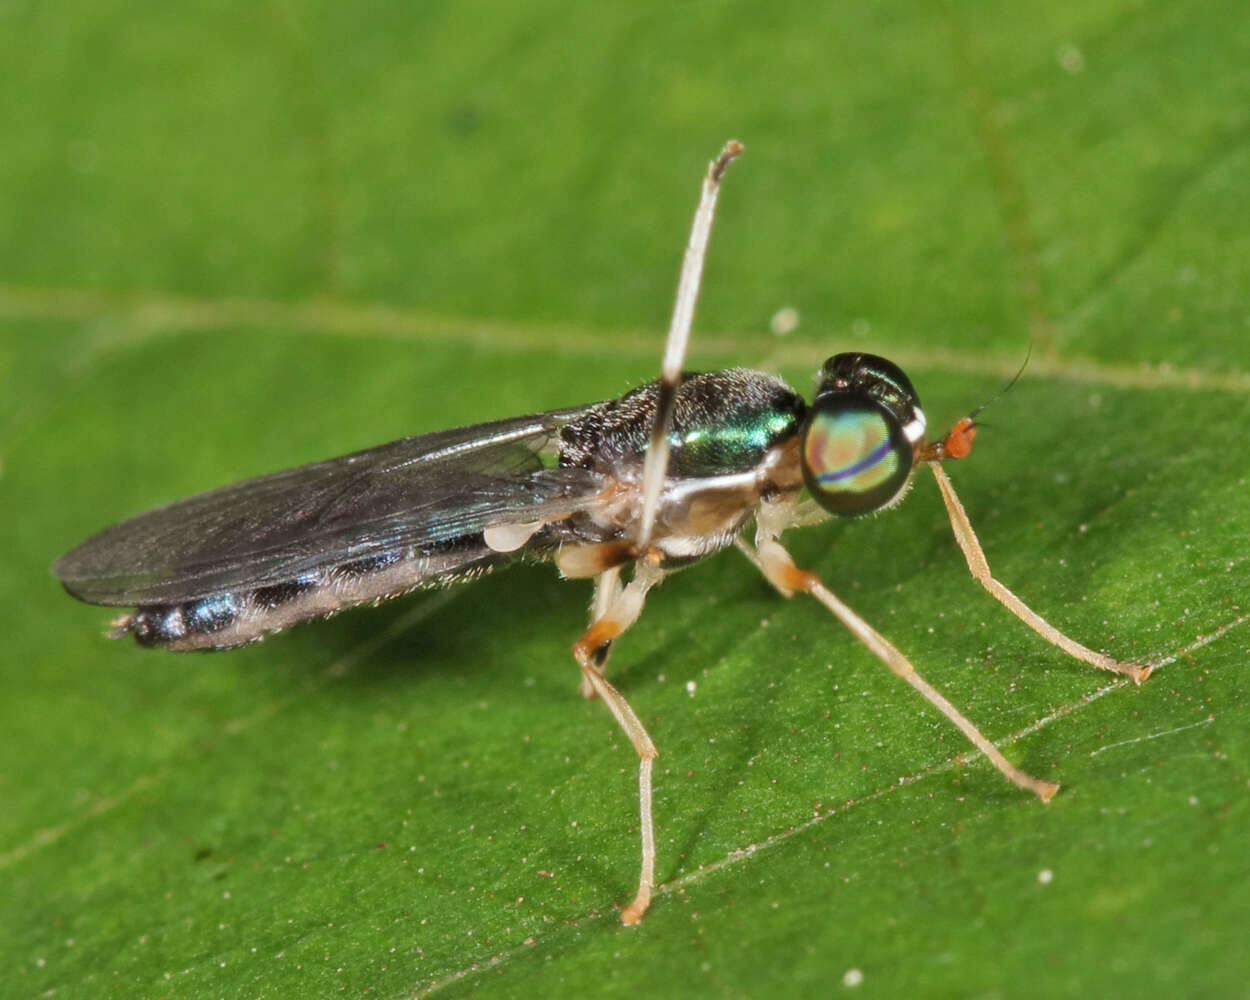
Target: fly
x: 669, y: 473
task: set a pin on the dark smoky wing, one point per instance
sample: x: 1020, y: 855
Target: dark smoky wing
x: 414, y: 492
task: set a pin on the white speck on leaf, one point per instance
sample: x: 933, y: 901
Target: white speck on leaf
x: 784, y: 320
x: 1070, y: 58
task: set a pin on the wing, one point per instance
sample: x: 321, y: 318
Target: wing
x: 417, y: 493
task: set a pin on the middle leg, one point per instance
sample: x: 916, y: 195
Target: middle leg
x: 621, y: 610
x: 779, y: 569
x: 607, y: 590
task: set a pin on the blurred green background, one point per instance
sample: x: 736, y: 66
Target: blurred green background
x: 235, y: 237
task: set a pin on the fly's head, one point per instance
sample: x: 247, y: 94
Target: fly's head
x: 862, y: 436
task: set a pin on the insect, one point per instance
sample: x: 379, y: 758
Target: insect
x: 669, y: 473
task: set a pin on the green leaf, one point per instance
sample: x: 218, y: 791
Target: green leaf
x: 239, y: 238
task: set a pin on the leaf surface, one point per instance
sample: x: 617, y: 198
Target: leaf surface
x: 238, y: 239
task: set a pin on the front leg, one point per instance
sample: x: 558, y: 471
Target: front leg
x: 979, y: 567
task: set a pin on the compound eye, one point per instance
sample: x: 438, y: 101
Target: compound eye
x: 854, y: 454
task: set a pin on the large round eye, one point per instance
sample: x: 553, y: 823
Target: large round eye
x: 855, y: 456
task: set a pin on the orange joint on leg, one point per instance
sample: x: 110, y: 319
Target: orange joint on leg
x: 602, y: 631
x: 775, y: 563
x: 799, y: 579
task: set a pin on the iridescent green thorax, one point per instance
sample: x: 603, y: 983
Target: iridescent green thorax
x: 724, y: 422
x: 731, y: 439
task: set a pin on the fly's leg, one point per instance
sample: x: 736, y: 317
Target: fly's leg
x: 777, y: 566
x: 656, y: 463
x: 980, y: 570
x: 607, y: 589
x: 621, y: 611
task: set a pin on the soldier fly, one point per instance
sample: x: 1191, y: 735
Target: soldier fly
x: 669, y: 473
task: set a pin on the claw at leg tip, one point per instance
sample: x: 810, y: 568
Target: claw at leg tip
x: 631, y: 916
